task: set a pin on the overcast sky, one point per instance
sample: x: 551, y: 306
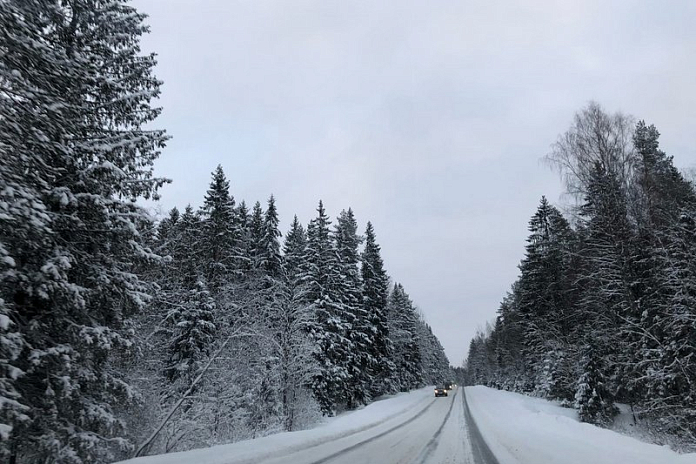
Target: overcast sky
x: 429, y: 119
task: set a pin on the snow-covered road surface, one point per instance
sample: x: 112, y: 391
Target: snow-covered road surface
x: 434, y: 433
x: 413, y: 428
x: 484, y: 427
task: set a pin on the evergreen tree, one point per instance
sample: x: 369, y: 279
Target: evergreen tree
x: 543, y: 293
x: 592, y: 398
x: 294, y: 253
x: 193, y: 330
x: 361, y: 331
x: 256, y: 236
x: 271, y: 258
x: 296, y: 362
x: 73, y: 153
x: 220, y: 237
x: 375, y: 291
x: 330, y: 330
x: 403, y: 330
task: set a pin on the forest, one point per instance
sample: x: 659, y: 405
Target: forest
x: 604, y: 308
x: 122, y: 334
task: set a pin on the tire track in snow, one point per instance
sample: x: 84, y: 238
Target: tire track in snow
x: 324, y: 440
x: 432, y: 444
x: 375, y: 437
x: 482, y: 453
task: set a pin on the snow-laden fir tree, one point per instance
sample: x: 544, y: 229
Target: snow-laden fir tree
x: 375, y: 291
x: 361, y: 331
x: 403, y: 332
x: 296, y: 360
x: 191, y: 317
x: 665, y: 348
x: 544, y: 296
x: 219, y: 243
x: 74, y: 155
x: 334, y: 349
x: 271, y: 259
x: 256, y: 236
x: 593, y: 399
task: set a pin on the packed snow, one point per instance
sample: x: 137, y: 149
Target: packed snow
x: 416, y: 427
x: 382, y: 413
x: 521, y: 429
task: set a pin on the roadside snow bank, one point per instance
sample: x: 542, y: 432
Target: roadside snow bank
x: 524, y: 430
x: 255, y: 451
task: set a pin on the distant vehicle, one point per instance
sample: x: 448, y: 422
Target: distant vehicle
x: 440, y: 391
x: 450, y: 385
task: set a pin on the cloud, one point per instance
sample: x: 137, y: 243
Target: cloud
x: 429, y: 119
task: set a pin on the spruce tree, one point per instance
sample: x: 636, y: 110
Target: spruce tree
x: 360, y: 333
x: 220, y: 237
x: 270, y: 248
x: 593, y: 399
x: 296, y: 361
x: 74, y: 154
x: 543, y: 292
x: 403, y: 330
x: 375, y: 291
x: 256, y: 234
x: 330, y: 329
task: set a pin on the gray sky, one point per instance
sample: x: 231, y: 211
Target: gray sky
x: 427, y: 118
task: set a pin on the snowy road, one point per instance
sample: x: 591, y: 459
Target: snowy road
x: 417, y: 428
x: 412, y: 428
x: 434, y: 432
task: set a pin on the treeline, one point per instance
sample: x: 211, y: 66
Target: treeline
x: 120, y: 336
x: 604, y: 310
x: 280, y: 330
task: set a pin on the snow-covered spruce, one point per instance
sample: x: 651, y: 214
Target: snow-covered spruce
x: 74, y: 155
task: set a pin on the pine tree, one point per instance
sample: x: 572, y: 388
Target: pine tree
x: 609, y: 274
x: 375, y: 291
x: 73, y: 153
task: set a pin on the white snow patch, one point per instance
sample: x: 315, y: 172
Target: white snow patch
x: 4, y: 322
x: 520, y: 429
x: 260, y: 449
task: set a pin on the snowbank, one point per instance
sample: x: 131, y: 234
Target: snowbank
x: 254, y: 451
x: 520, y: 429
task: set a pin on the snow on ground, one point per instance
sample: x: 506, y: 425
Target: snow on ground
x: 397, y: 407
x: 520, y: 429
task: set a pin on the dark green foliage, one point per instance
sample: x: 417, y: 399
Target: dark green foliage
x: 375, y: 291
x: 593, y: 400
x: 605, y: 312
x: 220, y: 239
x: 403, y: 330
x: 332, y: 321
x: 73, y: 153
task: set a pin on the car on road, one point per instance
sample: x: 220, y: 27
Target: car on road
x: 440, y: 391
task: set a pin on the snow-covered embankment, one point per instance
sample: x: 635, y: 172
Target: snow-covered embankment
x: 524, y: 430
x: 397, y: 407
